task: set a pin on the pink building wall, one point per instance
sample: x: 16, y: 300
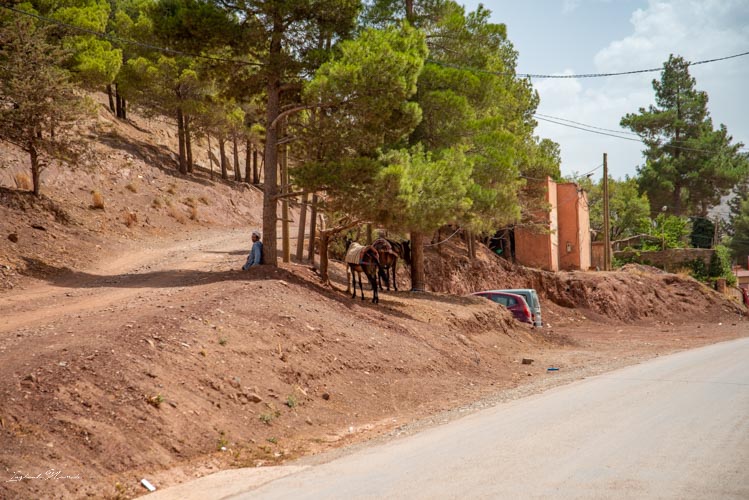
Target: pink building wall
x: 564, y: 241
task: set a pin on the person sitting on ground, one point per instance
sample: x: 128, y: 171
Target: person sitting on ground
x: 256, y: 254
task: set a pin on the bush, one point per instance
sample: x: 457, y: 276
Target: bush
x: 97, y: 200
x: 22, y: 181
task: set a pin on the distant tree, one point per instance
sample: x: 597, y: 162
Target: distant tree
x: 36, y: 95
x: 629, y: 210
x: 688, y: 164
x: 739, y: 240
x: 703, y: 233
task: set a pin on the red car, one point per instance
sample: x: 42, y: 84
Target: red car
x: 514, y: 302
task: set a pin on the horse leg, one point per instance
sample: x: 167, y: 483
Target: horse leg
x: 372, y: 275
x: 395, y: 283
x: 361, y: 287
x: 353, y: 281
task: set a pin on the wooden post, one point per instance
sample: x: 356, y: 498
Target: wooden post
x: 417, y: 261
x: 606, y: 222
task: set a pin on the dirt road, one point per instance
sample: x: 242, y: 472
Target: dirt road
x: 140, y: 271
x: 671, y: 428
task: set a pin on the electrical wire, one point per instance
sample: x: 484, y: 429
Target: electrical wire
x: 585, y: 124
x: 584, y: 75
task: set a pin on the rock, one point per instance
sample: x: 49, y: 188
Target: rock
x: 325, y: 396
x: 253, y: 398
x: 463, y: 339
x: 39, y: 227
x: 13, y: 237
x: 527, y: 361
x: 308, y: 421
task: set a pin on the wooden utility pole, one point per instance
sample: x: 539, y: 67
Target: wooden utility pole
x: 606, y: 222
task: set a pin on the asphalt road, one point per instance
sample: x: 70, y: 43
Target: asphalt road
x: 675, y: 427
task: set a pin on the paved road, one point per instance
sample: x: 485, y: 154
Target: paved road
x: 676, y: 427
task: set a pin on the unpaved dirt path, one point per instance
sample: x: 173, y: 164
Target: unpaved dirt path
x: 143, y: 270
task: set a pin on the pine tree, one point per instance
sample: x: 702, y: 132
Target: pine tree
x: 688, y: 164
x: 36, y: 96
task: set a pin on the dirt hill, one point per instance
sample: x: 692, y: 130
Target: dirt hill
x: 132, y: 347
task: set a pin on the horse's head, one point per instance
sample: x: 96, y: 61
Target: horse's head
x: 348, y: 241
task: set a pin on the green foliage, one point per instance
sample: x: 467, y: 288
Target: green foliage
x: 720, y: 265
x: 739, y: 240
x: 672, y: 231
x: 629, y: 210
x: 432, y: 190
x: 37, y: 95
x: 689, y: 165
x: 703, y: 233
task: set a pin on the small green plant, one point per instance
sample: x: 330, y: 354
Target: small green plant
x: 272, y: 440
x: 266, y: 418
x: 222, y: 441
x: 291, y: 401
x: 155, y: 401
x: 222, y: 341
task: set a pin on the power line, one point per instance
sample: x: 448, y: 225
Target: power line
x: 117, y: 39
x: 586, y: 125
x: 682, y: 148
x: 584, y: 75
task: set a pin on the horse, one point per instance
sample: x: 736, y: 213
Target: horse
x: 361, y: 259
x: 390, y: 251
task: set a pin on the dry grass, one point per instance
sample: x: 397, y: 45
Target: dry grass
x: 190, y: 202
x: 131, y: 218
x: 172, y: 189
x: 194, y: 213
x: 157, y: 203
x: 204, y: 200
x: 97, y: 200
x: 22, y: 181
x: 176, y: 214
x: 131, y: 187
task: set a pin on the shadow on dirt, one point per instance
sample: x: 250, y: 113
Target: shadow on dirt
x: 64, y: 277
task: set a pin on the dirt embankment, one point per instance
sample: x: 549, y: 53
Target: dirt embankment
x: 132, y: 346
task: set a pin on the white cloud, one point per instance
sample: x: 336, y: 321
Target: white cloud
x: 696, y: 30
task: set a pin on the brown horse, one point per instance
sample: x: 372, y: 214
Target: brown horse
x: 363, y: 260
x: 389, y: 252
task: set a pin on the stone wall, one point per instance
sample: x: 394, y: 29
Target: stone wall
x: 669, y: 260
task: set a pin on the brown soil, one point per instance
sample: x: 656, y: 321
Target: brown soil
x: 140, y: 350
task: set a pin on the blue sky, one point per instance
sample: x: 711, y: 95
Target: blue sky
x: 592, y: 36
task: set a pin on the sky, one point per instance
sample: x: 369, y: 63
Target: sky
x: 603, y: 36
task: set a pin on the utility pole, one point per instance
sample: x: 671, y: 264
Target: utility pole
x: 606, y: 222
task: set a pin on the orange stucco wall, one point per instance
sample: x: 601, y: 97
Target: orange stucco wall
x: 564, y: 242
x: 574, y: 227
x: 538, y: 247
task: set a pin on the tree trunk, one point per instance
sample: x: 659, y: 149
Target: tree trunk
x: 110, y: 94
x: 118, y: 103
x: 312, y: 230
x: 237, y: 172
x: 302, y: 227
x: 677, y: 200
x: 369, y: 234
x: 285, y: 236
x: 124, y: 109
x: 324, y: 256
x: 417, y: 261
x: 188, y: 144
x: 247, y: 163
x: 224, y: 168
x: 181, y: 137
x: 270, y: 204
x: 36, y: 171
x: 210, y: 154
x: 255, y: 170
x: 410, y: 11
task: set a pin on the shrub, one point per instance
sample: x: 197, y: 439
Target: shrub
x: 22, y: 181
x: 97, y: 200
x: 175, y: 213
x: 157, y: 203
x: 194, y: 213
